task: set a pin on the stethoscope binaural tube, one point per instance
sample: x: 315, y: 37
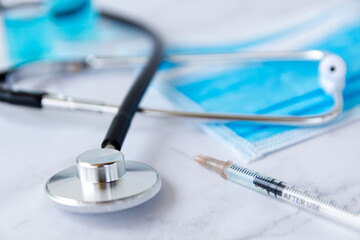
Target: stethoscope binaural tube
x: 121, y: 122
x: 332, y: 71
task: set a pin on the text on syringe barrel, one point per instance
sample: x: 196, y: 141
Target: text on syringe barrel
x: 293, y: 195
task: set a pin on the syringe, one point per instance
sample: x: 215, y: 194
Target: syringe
x: 281, y: 190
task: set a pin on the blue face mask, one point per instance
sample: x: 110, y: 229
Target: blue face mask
x: 274, y: 88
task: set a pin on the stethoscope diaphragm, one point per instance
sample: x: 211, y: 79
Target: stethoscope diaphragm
x: 102, y: 183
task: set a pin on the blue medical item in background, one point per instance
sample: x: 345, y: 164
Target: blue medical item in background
x: 28, y: 32
x: 73, y: 20
x: 34, y: 30
x: 65, y: 7
x: 274, y: 88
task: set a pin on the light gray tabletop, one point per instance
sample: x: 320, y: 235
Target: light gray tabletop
x: 193, y: 203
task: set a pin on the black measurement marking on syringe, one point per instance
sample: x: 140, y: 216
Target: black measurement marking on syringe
x: 271, y: 185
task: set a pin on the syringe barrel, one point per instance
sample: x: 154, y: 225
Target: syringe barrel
x: 288, y: 193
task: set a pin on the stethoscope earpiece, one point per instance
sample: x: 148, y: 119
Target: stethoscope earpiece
x: 100, y: 182
x: 332, y: 70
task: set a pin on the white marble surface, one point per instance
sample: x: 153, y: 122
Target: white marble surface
x: 193, y: 203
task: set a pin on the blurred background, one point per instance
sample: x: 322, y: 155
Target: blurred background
x: 66, y: 30
x: 183, y: 24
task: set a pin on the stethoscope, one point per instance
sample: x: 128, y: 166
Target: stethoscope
x: 102, y: 181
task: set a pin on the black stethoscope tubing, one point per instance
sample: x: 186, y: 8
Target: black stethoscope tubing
x: 122, y: 120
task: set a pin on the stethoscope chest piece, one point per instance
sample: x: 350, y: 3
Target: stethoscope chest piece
x: 100, y: 182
